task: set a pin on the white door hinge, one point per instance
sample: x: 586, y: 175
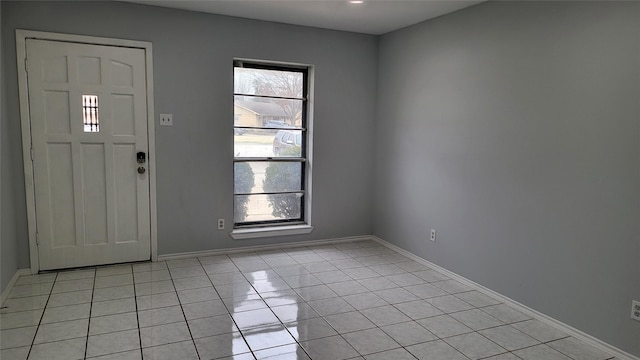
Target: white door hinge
x: 32, y: 156
x: 26, y: 65
x: 37, y: 239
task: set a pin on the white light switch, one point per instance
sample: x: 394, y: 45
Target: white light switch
x: 166, y: 119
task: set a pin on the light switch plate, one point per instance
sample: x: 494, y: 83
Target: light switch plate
x: 166, y: 119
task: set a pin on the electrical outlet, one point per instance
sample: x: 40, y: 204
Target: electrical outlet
x: 220, y: 224
x: 166, y: 119
x: 433, y: 235
x: 635, y: 310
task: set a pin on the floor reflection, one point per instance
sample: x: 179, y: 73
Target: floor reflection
x: 263, y: 331
x: 287, y: 352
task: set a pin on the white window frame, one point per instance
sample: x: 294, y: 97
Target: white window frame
x: 272, y: 229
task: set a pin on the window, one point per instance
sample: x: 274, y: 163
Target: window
x: 90, y: 113
x: 271, y: 164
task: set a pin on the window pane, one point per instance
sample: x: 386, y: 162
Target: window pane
x: 261, y: 207
x: 90, y: 113
x: 263, y: 176
x: 265, y: 112
x: 268, y: 82
x: 267, y: 143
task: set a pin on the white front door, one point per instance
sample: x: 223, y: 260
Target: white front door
x: 88, y: 123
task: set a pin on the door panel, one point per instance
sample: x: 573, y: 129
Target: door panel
x: 126, y: 218
x: 61, y: 200
x: 95, y: 197
x: 123, y: 111
x: 122, y: 74
x: 56, y: 105
x: 88, y: 120
x: 89, y: 70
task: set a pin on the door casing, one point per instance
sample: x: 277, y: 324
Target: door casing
x: 25, y: 119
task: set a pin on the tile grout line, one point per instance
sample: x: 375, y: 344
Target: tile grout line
x: 297, y: 341
x: 444, y: 339
x: 42, y: 316
x: 135, y: 301
x: 359, y: 312
x: 306, y: 302
x: 93, y: 289
x: 193, y: 341
x: 323, y: 316
x: 376, y: 327
x: 225, y: 305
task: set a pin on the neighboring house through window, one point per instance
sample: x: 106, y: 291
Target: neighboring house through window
x: 260, y: 114
x: 271, y: 142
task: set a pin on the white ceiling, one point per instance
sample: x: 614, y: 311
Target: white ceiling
x: 372, y: 17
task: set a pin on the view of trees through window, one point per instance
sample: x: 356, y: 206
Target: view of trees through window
x: 269, y: 144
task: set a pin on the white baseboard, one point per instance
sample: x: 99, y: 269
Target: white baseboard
x: 7, y: 290
x: 580, y: 335
x: 261, y: 247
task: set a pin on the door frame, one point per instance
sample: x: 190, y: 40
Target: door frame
x: 25, y: 120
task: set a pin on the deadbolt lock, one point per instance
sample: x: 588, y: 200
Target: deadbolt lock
x: 141, y: 157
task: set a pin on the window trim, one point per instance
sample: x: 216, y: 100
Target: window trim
x: 300, y: 225
x: 270, y: 231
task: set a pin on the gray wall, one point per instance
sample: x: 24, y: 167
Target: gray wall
x: 513, y: 129
x: 10, y: 192
x: 193, y: 79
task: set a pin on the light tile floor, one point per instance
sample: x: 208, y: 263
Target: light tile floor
x: 356, y: 300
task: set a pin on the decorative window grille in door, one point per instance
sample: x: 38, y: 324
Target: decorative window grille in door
x: 90, y: 113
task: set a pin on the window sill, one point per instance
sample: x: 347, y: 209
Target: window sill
x: 239, y: 234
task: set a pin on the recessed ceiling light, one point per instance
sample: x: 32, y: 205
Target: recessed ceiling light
x: 356, y: 1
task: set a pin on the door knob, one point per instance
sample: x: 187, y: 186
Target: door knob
x: 141, y: 170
